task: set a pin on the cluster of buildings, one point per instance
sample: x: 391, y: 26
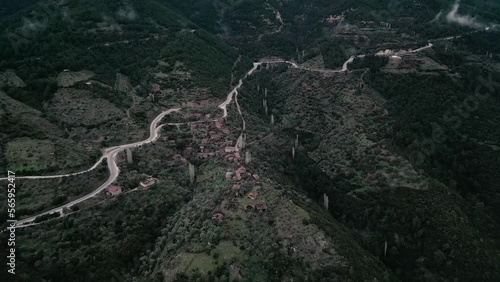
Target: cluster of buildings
x: 239, y: 177
x: 213, y: 139
x: 258, y: 207
x: 213, y: 144
x: 115, y: 190
x: 232, y: 154
x: 238, y: 189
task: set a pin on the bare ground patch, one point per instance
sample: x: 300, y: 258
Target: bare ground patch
x: 68, y: 78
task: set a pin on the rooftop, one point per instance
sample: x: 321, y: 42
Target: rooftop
x: 114, y: 189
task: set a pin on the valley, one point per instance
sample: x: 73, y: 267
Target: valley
x: 111, y: 153
x: 253, y: 140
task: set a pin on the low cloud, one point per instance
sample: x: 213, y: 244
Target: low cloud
x: 437, y: 17
x: 127, y: 13
x: 108, y: 23
x: 463, y: 20
x: 34, y: 24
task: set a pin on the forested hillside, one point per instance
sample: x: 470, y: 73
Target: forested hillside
x: 371, y: 155
x: 9, y: 7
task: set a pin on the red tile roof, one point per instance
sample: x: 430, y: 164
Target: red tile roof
x: 156, y: 87
x: 112, y: 189
x: 252, y: 196
x: 241, y: 170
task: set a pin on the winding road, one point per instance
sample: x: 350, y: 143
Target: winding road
x: 110, y: 153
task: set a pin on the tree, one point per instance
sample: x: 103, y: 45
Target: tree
x: 191, y: 173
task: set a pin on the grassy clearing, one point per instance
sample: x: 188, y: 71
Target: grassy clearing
x: 26, y: 154
x: 189, y: 263
x: 229, y: 251
x: 302, y: 213
x: 238, y: 228
x: 224, y: 252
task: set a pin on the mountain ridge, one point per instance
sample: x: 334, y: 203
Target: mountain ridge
x: 311, y: 174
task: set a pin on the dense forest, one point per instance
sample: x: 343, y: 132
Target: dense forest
x: 440, y: 125
x: 415, y: 224
x: 8, y: 8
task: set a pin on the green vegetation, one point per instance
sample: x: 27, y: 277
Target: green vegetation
x: 46, y: 217
x: 334, y: 53
x: 45, y: 89
x: 108, y: 234
x: 422, y: 111
x: 414, y: 222
x: 373, y: 63
x: 51, y: 193
x: 87, y: 40
x: 30, y: 155
x: 400, y: 208
x: 9, y: 8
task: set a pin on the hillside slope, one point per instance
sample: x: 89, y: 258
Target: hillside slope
x: 384, y: 169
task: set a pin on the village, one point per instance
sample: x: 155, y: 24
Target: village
x: 196, y: 137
